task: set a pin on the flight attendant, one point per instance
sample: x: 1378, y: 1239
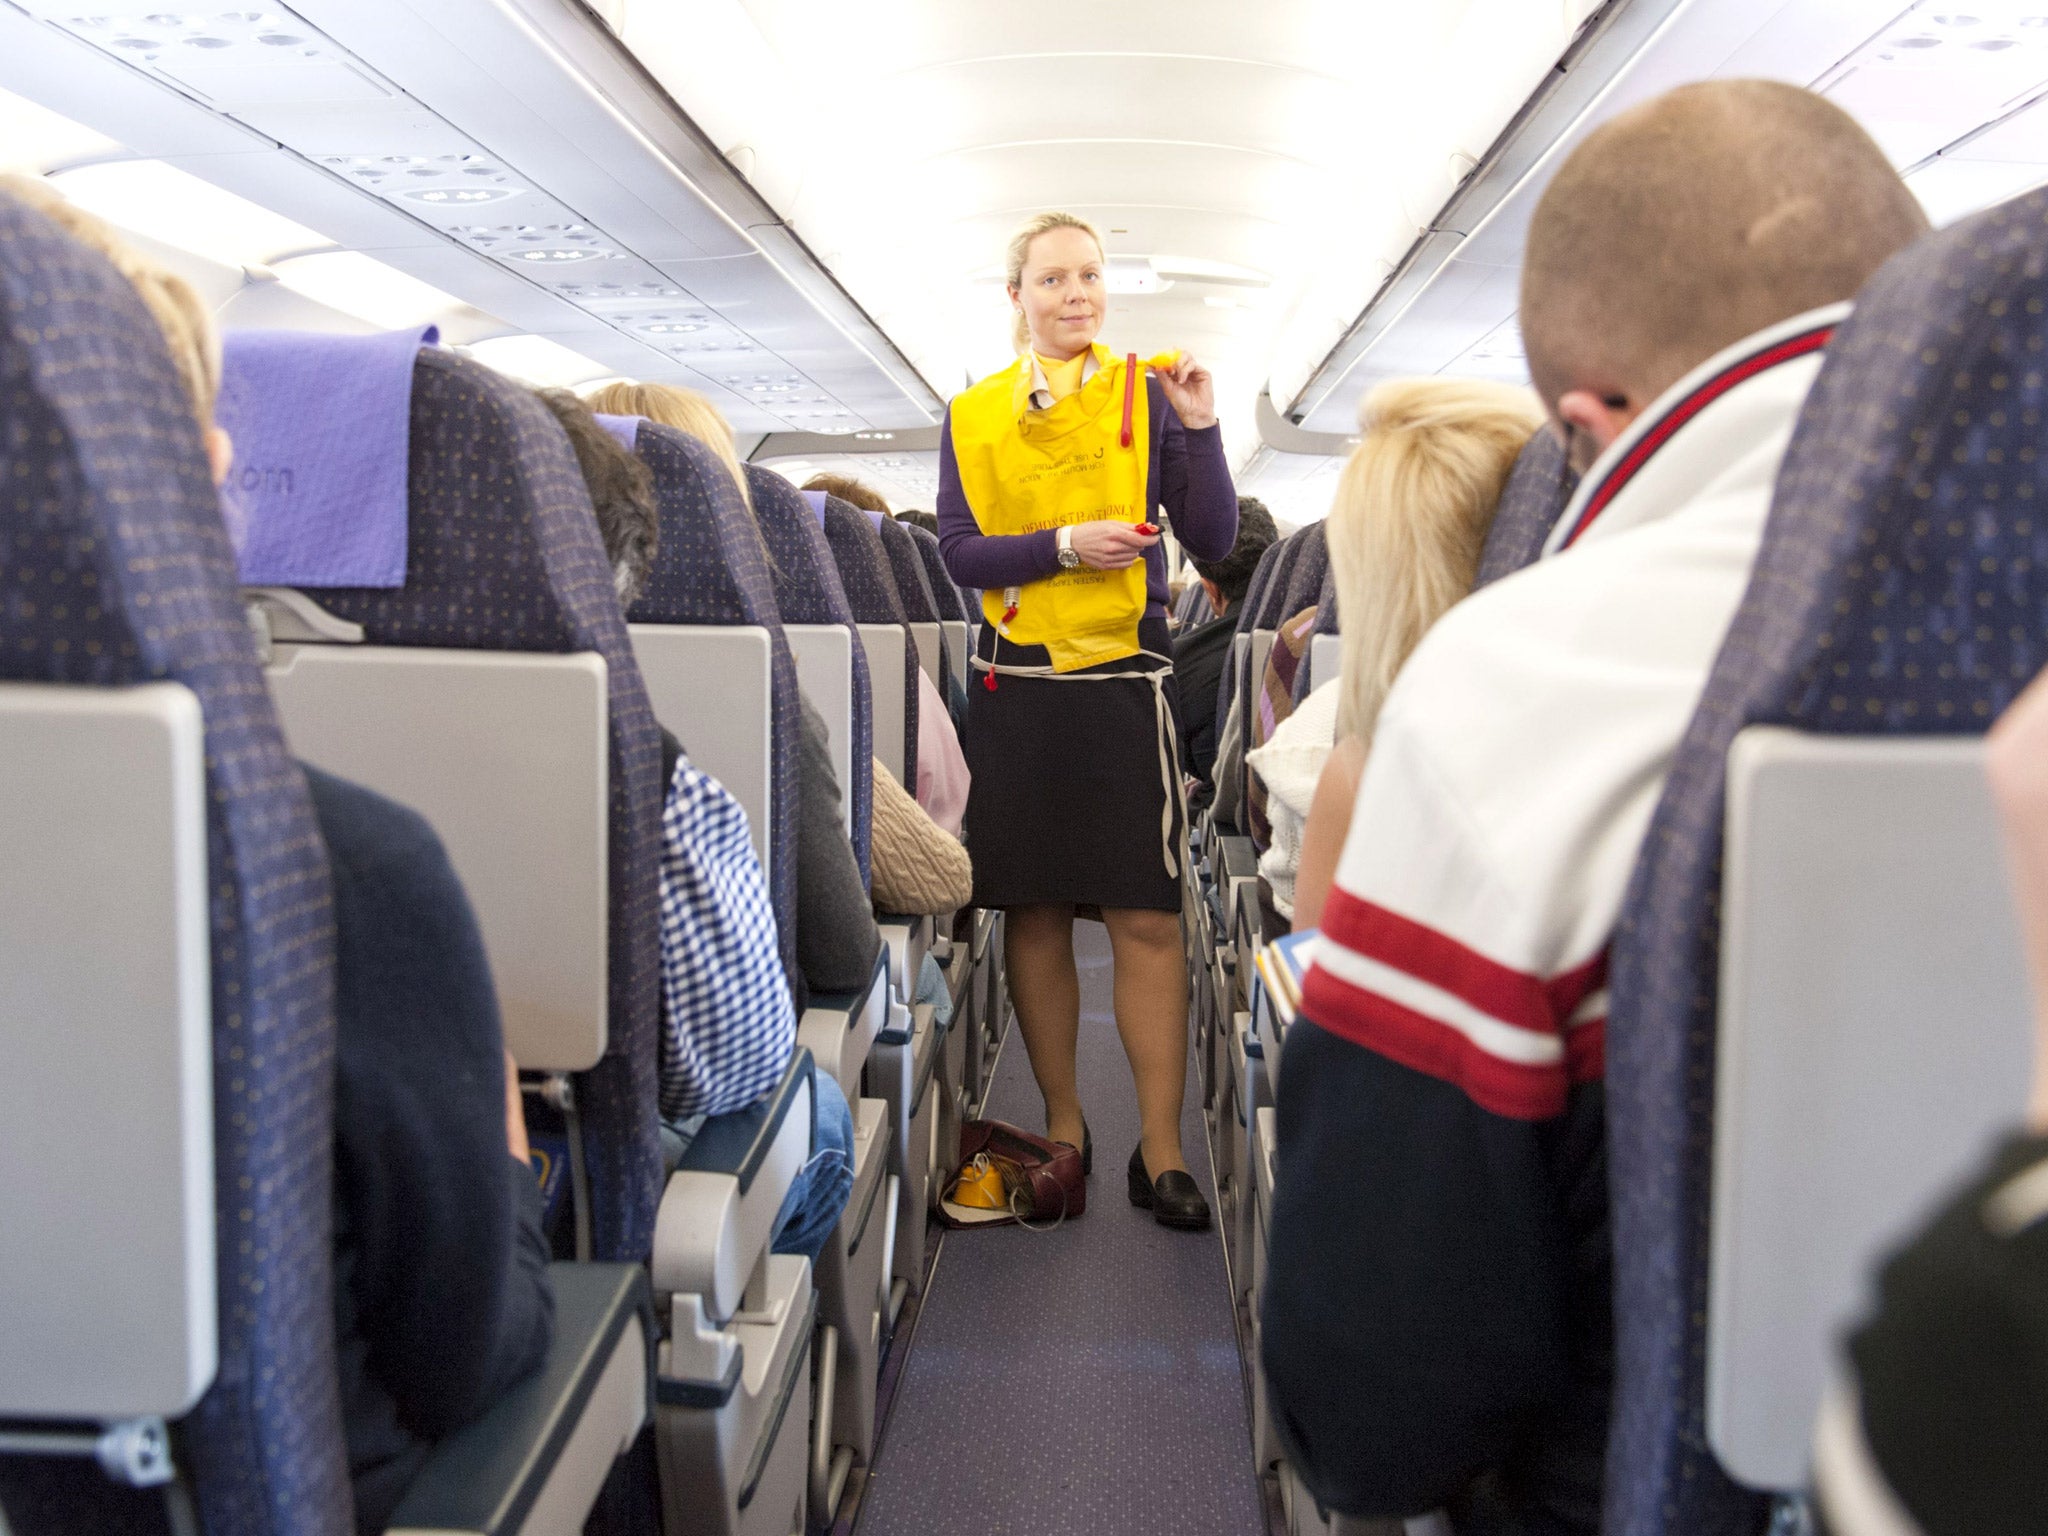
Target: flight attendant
x: 1049, y: 476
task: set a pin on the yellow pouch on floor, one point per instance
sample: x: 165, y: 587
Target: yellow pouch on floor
x: 1084, y: 460
x: 981, y: 1187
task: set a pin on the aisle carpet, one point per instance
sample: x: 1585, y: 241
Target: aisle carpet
x: 1079, y: 1382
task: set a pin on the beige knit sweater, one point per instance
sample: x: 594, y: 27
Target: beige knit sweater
x: 918, y: 866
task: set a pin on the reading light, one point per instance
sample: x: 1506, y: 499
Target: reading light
x: 555, y: 255
x: 459, y: 196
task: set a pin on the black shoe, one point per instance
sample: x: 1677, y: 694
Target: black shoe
x: 1087, y: 1150
x: 1174, y: 1199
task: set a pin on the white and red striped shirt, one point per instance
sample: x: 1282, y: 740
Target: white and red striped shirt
x: 1520, y: 755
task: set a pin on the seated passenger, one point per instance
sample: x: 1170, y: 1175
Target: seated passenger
x: 942, y: 778
x: 442, y: 1300
x: 836, y: 937
x: 919, y: 868
x: 1437, y: 1324
x: 728, y: 1020
x: 1939, y: 1426
x: 1410, y: 518
x: 1199, y: 654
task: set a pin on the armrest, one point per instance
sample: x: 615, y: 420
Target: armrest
x: 739, y: 1143
x: 1240, y: 859
x: 718, y: 1210
x: 905, y: 938
x: 554, y: 1437
x: 839, y: 1027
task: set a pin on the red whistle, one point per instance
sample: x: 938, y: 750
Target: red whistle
x: 1148, y: 529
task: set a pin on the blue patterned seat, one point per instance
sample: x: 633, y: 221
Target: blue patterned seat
x: 1265, y: 608
x: 870, y: 588
x: 906, y: 565
x: 503, y: 554
x: 712, y: 568
x: 1538, y: 488
x: 1902, y: 588
x: 807, y: 590
x: 1328, y: 622
x: 1309, y: 573
x: 947, y: 596
x: 115, y: 569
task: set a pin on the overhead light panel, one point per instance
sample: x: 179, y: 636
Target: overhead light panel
x: 537, y: 361
x: 365, y: 287
x: 180, y: 209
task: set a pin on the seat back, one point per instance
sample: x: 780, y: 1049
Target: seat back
x: 956, y: 621
x: 503, y: 554
x: 712, y: 569
x: 1538, y: 489
x: 1266, y: 616
x: 1323, y: 641
x: 1309, y: 575
x: 115, y: 570
x: 1900, y: 590
x: 1865, y: 895
x: 945, y: 595
x: 870, y: 586
x: 920, y: 603
x: 808, y: 592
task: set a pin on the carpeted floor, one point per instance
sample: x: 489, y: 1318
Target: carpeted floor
x: 1079, y: 1382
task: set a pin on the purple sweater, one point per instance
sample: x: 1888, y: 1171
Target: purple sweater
x: 1187, y: 476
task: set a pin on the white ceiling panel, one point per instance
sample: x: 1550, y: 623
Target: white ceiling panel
x: 489, y: 148
x: 1303, y: 141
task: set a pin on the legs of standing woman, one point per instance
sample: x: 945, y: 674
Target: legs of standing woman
x: 1151, y: 1015
x: 1038, y: 954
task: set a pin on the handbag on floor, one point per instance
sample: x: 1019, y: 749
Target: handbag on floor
x: 1009, y: 1177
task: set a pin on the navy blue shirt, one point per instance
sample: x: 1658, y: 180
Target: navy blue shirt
x: 441, y: 1293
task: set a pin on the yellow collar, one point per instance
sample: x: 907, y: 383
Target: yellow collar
x: 1033, y: 392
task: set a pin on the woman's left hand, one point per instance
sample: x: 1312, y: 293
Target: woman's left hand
x: 1190, y: 391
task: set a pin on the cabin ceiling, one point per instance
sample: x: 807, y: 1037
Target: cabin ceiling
x: 1255, y: 167
x: 799, y: 208
x: 550, y: 208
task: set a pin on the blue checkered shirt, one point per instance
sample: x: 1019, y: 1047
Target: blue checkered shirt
x: 728, y: 1025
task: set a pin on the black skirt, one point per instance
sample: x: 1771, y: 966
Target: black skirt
x: 1069, y: 803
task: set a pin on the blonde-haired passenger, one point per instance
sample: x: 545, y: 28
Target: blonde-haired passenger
x: 672, y: 405
x: 180, y: 314
x: 1410, y: 520
x: 435, y: 1201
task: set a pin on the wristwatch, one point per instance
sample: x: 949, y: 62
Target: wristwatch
x: 1069, y: 559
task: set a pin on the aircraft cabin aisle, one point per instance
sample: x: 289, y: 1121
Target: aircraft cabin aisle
x: 1081, y: 1379
x: 538, y: 578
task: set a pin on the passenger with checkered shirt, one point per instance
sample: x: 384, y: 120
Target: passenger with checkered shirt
x: 728, y: 1020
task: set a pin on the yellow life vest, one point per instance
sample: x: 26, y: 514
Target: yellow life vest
x: 1084, y: 460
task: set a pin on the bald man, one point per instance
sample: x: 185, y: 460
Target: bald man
x: 1436, y: 1325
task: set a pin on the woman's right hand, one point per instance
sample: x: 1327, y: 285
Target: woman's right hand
x: 1108, y: 546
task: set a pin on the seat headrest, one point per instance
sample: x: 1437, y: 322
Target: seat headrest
x: 320, y: 424
x: 1539, y: 488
